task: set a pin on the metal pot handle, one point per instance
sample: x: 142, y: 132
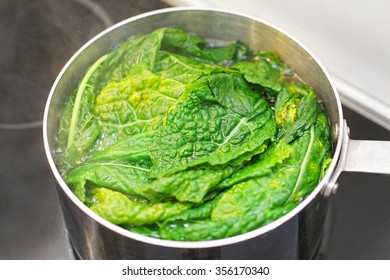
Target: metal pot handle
x: 360, y: 156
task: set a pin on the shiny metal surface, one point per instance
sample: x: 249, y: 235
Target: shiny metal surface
x: 295, y: 235
x: 368, y: 156
x: 297, y: 238
x: 365, y: 156
x: 354, y: 51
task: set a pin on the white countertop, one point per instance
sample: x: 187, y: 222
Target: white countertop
x: 351, y: 38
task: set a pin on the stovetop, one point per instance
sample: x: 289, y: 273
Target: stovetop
x: 38, y: 37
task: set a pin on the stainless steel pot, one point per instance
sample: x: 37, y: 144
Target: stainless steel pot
x: 295, y: 235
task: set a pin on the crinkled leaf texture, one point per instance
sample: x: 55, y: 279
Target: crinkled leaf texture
x: 216, y: 121
x: 174, y: 137
x: 258, y: 198
x: 121, y: 209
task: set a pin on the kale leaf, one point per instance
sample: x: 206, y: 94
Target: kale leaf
x: 216, y: 120
x: 173, y: 136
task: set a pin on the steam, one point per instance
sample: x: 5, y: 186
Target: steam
x: 98, y: 11
x: 38, y: 38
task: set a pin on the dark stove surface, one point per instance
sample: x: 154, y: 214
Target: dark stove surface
x: 38, y: 37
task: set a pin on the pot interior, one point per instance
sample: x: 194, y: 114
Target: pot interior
x: 214, y: 24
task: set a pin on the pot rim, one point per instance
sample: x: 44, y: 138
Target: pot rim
x: 337, y: 132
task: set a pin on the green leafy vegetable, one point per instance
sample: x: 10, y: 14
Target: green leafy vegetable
x: 135, y: 104
x: 78, y: 126
x: 216, y: 121
x: 175, y: 136
x: 190, y: 185
x: 139, y: 50
x: 179, y: 41
x: 116, y: 176
x: 182, y: 68
x: 209, y: 230
x: 133, y: 148
x: 265, y: 165
x: 120, y: 209
x: 296, y: 109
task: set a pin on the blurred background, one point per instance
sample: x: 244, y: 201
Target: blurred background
x: 39, y: 36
